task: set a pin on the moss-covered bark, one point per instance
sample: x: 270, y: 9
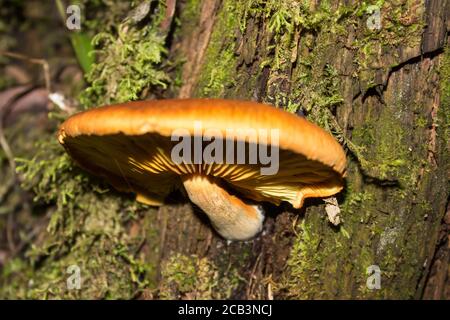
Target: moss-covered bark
x: 378, y: 92
x: 383, y: 93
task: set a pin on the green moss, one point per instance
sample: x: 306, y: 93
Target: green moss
x: 402, y: 24
x: 313, y: 259
x: 355, y: 201
x: 315, y: 87
x: 286, y: 22
x: 218, y: 73
x: 104, y: 254
x: 390, y: 152
x: 368, y: 234
x: 88, y: 228
x: 129, y: 61
x: 324, y: 27
x: 302, y: 264
x: 319, y: 92
x: 421, y: 122
x: 89, y: 224
x: 444, y: 108
x: 192, y: 277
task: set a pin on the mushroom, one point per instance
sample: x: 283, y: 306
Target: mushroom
x: 142, y: 147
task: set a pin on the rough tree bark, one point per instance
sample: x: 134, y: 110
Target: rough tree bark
x: 380, y: 91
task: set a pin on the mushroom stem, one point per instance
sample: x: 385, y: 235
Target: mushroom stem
x: 230, y: 216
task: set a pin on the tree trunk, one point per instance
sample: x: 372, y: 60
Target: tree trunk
x: 381, y: 91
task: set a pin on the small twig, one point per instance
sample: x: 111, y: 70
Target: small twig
x: 41, y: 62
x: 61, y: 11
x: 4, y: 109
x: 294, y: 225
x: 354, y: 149
x: 170, y: 11
x: 253, y: 275
x: 6, y: 188
x: 7, y: 149
x: 269, y: 291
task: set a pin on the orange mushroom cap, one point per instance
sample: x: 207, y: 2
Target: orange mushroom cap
x: 130, y: 145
